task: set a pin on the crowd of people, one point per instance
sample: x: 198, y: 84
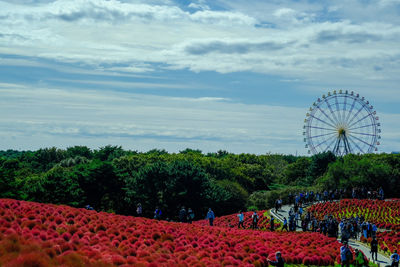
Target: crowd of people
x: 351, y: 227
x: 296, y: 199
x: 337, y: 194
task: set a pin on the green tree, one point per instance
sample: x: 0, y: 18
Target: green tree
x: 102, y: 188
x: 108, y: 153
x: 318, y: 166
x: 8, y: 170
x: 58, y: 186
x: 169, y: 186
x: 236, y: 197
x: 296, y: 173
x: 81, y: 151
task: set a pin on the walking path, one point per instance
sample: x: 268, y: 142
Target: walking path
x: 382, y: 259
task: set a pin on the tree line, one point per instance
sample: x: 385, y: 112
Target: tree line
x: 116, y: 180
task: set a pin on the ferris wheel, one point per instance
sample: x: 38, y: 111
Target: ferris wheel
x: 342, y: 122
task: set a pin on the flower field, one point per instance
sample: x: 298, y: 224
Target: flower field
x: 388, y: 241
x: 33, y: 234
x: 231, y: 221
x: 383, y: 213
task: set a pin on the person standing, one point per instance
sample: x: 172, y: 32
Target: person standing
x: 190, y: 215
x: 345, y: 255
x: 364, y: 227
x: 280, y: 262
x: 157, y: 213
x: 381, y: 194
x: 297, y: 218
x: 360, y: 261
x: 369, y: 230
x: 374, y: 248
x: 374, y: 230
x: 284, y: 226
x: 395, y: 259
x: 241, y: 219
x: 276, y: 205
x: 182, y: 215
x: 139, y: 210
x: 210, y: 217
x: 254, y: 220
x: 292, y: 223
x: 272, y: 224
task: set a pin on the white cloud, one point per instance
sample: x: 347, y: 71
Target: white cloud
x: 345, y: 44
x: 284, y: 12
x: 129, y: 118
x: 303, y: 42
x: 123, y: 84
x: 35, y: 118
x: 116, y: 12
x: 135, y: 68
x: 388, y: 2
x: 200, y: 4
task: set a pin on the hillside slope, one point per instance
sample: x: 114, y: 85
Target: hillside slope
x: 53, y: 235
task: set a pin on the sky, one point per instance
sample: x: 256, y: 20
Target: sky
x: 212, y: 75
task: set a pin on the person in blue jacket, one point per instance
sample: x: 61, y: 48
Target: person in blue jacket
x: 241, y: 219
x: 395, y: 258
x: 345, y: 255
x: 157, y: 213
x: 210, y: 216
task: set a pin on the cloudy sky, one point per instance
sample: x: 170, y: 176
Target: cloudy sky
x: 172, y: 74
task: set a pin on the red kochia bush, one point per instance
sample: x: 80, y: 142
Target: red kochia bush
x: 231, y: 221
x: 102, y: 239
x: 29, y: 259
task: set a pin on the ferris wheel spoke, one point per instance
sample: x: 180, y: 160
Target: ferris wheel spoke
x: 355, y: 144
x: 338, y: 110
x: 344, y: 108
x: 355, y: 115
x: 362, y: 141
x: 363, y: 134
x: 321, y: 128
x: 333, y: 114
x: 354, y: 123
x: 322, y: 121
x: 336, y: 149
x: 351, y: 109
x: 315, y: 136
x: 326, y: 115
x: 326, y: 140
x: 326, y: 149
x: 362, y: 126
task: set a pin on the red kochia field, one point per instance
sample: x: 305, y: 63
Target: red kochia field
x: 383, y: 213
x: 33, y: 234
x: 232, y: 220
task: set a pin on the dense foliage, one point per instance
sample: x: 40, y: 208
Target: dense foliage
x: 113, y: 179
x: 34, y: 234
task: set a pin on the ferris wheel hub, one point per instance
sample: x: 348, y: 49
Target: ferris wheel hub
x: 342, y: 131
